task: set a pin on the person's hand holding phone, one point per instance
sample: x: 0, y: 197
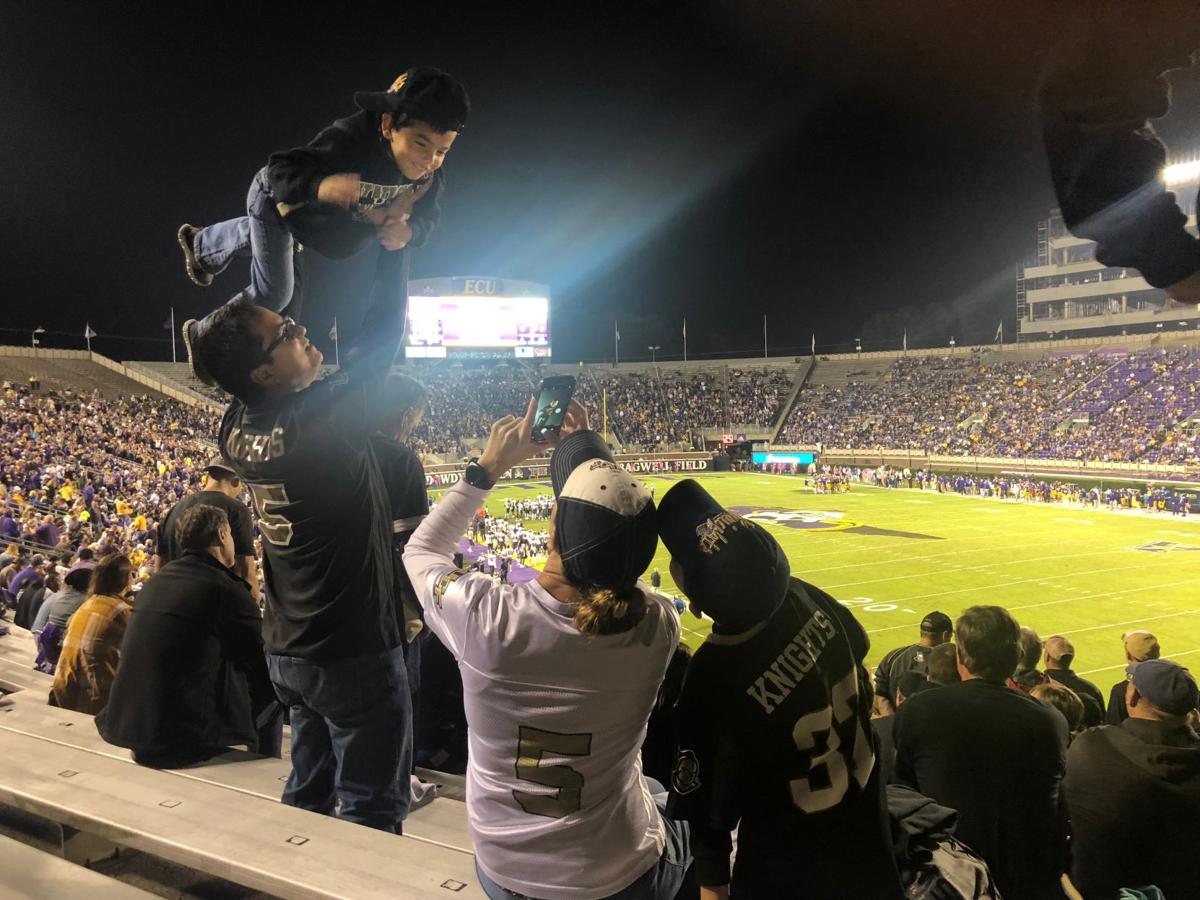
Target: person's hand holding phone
x: 576, y: 419
x: 510, y: 443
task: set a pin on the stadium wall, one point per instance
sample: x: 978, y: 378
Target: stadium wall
x: 539, y: 470
x: 1075, y: 468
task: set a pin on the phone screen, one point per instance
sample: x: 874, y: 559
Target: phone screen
x: 553, y: 399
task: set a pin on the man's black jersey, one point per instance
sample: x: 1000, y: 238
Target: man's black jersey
x: 894, y: 664
x: 240, y: 525
x: 404, y: 477
x: 323, y: 515
x: 775, y: 734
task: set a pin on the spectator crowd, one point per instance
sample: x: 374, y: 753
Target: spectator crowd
x: 1105, y: 407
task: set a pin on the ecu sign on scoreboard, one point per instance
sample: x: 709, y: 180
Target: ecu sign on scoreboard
x: 477, y: 314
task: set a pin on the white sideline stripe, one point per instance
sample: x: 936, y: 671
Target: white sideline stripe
x: 1151, y: 587
x: 956, y: 569
x: 1186, y: 612
x: 1008, y: 584
x: 1122, y: 665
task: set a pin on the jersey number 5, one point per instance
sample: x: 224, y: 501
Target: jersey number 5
x: 532, y: 745
x: 836, y: 763
x: 274, y: 527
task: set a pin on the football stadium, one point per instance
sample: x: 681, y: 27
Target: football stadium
x: 367, y: 578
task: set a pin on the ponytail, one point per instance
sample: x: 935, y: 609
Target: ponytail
x: 605, y: 610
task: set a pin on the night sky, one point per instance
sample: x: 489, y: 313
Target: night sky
x: 848, y: 170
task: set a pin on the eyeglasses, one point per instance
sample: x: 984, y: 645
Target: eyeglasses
x: 290, y: 330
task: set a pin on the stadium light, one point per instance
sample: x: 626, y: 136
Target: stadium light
x: 952, y: 343
x: 33, y: 337
x: 858, y: 345
x: 653, y: 349
x: 1181, y: 173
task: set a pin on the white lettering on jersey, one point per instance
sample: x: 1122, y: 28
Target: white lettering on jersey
x: 795, y: 660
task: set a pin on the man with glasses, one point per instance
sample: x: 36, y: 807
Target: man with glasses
x: 333, y: 640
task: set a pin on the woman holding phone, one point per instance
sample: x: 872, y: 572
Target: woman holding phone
x: 560, y: 675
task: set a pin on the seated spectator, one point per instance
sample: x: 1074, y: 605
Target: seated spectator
x: 1139, y: 647
x: 1062, y: 698
x: 1027, y: 676
x: 936, y: 628
x: 221, y: 488
x: 779, y: 685
x: 50, y: 622
x: 941, y: 665
x: 1060, y: 653
x: 33, y: 597
x: 566, y: 667
x: 995, y: 755
x: 91, y: 647
x: 32, y: 574
x: 1134, y: 790
x: 193, y: 679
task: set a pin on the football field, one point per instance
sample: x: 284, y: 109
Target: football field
x: 894, y: 555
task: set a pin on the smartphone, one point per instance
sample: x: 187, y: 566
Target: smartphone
x: 553, y: 398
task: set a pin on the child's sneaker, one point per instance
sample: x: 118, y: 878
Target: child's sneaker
x: 191, y: 329
x: 195, y: 272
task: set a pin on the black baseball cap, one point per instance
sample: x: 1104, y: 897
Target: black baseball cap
x: 219, y: 468
x: 936, y: 623
x: 575, y: 449
x: 422, y: 93
x: 605, y: 528
x: 733, y: 569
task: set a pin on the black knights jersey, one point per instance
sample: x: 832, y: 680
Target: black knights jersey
x: 775, y: 734
x: 323, y: 514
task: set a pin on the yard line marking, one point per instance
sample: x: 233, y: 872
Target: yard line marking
x: 1008, y: 584
x: 955, y: 569
x: 1186, y: 612
x: 1123, y: 665
x: 1152, y: 587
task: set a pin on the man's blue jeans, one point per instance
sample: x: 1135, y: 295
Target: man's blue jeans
x: 661, y: 881
x: 351, y: 736
x: 261, y: 235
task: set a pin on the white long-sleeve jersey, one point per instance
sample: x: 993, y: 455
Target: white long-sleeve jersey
x: 555, y: 798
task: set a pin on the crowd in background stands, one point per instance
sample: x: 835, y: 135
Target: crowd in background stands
x: 1097, y: 406
x: 463, y: 403
x: 86, y: 470
x: 1122, y: 407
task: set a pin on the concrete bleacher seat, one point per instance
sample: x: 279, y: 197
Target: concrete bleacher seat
x: 79, y: 375
x: 266, y: 846
x: 31, y: 873
x: 234, y: 827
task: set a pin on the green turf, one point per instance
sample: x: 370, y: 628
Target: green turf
x: 1059, y: 569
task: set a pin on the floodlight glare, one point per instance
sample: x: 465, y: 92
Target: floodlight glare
x: 1181, y: 173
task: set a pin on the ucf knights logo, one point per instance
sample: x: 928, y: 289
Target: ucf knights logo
x: 685, y: 777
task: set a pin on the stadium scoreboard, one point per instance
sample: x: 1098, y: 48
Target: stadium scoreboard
x: 477, y: 315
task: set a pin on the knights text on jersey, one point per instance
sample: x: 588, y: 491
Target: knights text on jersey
x: 775, y: 734
x: 323, y: 515
x: 556, y: 802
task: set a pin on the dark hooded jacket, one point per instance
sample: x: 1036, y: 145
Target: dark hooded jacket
x: 1133, y: 791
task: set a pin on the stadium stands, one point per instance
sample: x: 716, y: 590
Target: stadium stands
x: 106, y: 456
